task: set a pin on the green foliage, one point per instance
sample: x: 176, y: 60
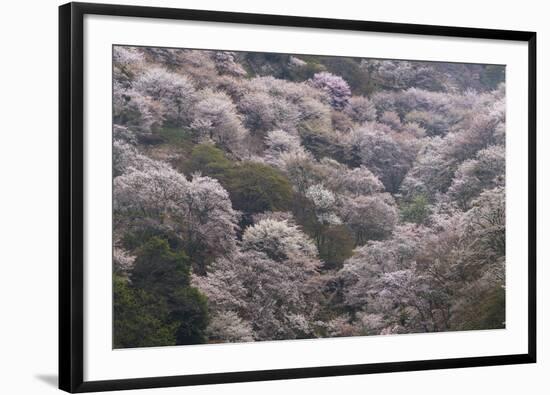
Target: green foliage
x: 492, y: 76
x: 255, y: 187
x: 178, y: 141
x: 191, y: 312
x: 305, y: 72
x: 304, y: 213
x: 159, y: 304
x: 488, y: 313
x: 208, y: 160
x: 416, y: 210
x: 177, y: 137
x: 159, y: 270
x: 350, y: 70
x: 140, y: 319
x: 136, y: 237
x: 493, y: 309
x: 255, y: 62
x: 321, y: 145
x: 278, y: 65
x: 335, y: 245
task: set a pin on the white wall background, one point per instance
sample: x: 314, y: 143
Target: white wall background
x: 28, y: 197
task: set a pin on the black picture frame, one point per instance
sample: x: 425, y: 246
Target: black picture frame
x: 71, y: 204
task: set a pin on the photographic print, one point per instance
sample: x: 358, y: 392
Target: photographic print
x: 268, y: 196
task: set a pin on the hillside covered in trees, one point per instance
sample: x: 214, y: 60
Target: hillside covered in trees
x: 264, y: 196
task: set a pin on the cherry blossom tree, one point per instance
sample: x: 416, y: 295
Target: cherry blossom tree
x: 123, y: 261
x: 324, y: 202
x: 149, y: 194
x: 127, y: 61
x: 215, y: 118
x: 198, y: 212
x: 361, y: 109
x: 370, y: 217
x: 281, y: 241
x: 126, y: 158
x: 299, y: 166
x: 486, y: 226
x: 208, y: 221
x: 226, y: 64
x: 174, y: 92
x: 391, y: 119
x: 227, y: 326
x: 135, y: 111
x: 337, y: 88
x: 275, y: 300
x: 263, y: 112
x: 388, y: 158
x: 360, y: 181
x: 361, y: 273
x: 356, y: 181
x: 272, y: 284
x: 474, y: 175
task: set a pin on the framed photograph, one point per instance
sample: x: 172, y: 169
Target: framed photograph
x: 258, y: 197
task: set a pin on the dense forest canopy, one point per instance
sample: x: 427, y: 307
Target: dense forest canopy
x: 263, y: 196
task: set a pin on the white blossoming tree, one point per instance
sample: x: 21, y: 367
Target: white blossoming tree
x: 336, y: 87
x: 215, y: 118
x: 198, y: 212
x: 272, y: 284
